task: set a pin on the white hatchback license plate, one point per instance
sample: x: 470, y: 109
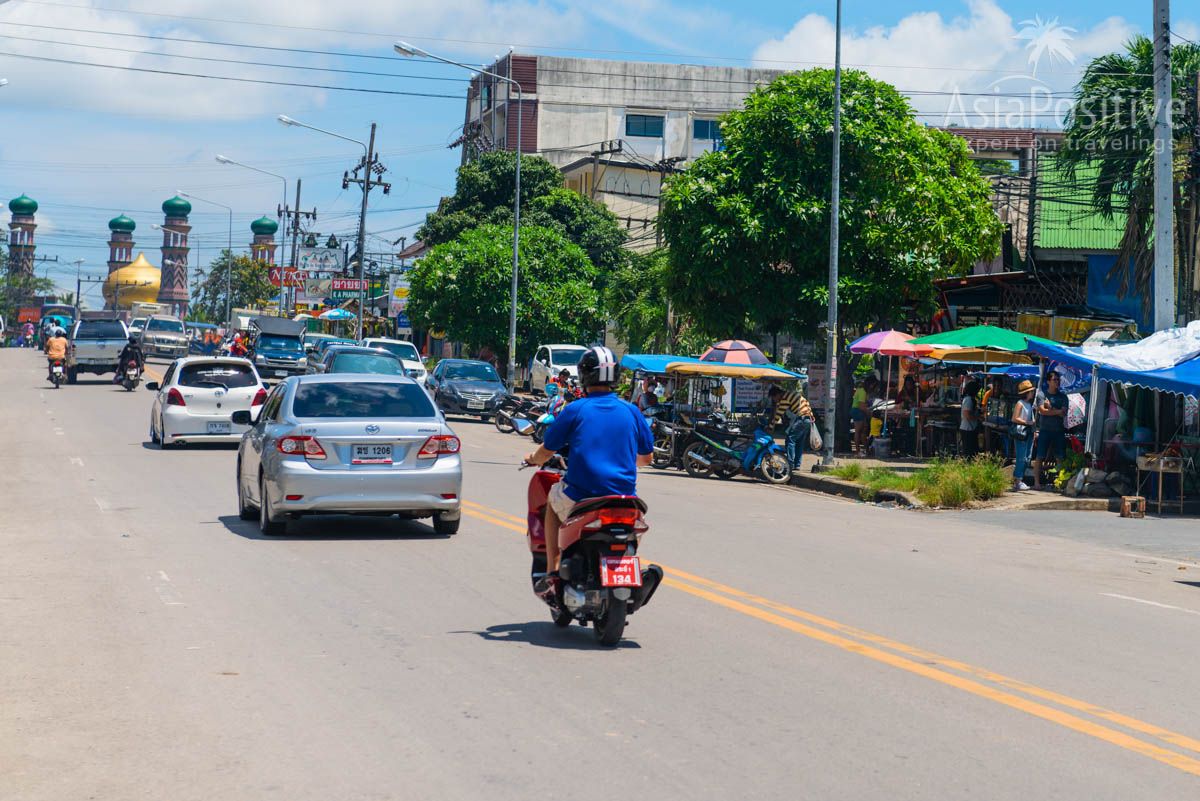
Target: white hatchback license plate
x: 372, y: 454
x: 475, y: 404
x: 219, y: 428
x: 281, y: 373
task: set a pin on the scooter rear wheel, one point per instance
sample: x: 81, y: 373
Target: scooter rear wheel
x: 694, y: 468
x: 503, y: 423
x: 610, y: 627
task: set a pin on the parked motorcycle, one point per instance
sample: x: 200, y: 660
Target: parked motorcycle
x: 603, y: 581
x: 57, y: 373
x: 516, y: 407
x: 758, y: 455
x: 671, y: 439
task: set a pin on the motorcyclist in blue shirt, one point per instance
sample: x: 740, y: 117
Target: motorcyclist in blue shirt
x: 608, y: 440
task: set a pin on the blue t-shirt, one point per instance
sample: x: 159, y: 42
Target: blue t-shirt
x: 606, y: 435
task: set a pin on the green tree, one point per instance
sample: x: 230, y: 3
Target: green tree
x: 1111, y: 127
x: 483, y: 195
x: 635, y: 299
x: 18, y: 290
x: 251, y: 286
x: 748, y: 226
x: 462, y: 287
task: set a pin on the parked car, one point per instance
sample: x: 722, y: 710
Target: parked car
x: 164, y: 336
x: 405, y: 351
x: 549, y: 361
x: 197, y: 395
x: 467, y: 387
x: 348, y: 444
x: 317, y: 356
x: 95, y: 347
x: 355, y: 359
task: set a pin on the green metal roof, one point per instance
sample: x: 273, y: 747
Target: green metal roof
x: 1065, y: 217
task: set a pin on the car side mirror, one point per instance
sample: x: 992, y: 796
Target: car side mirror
x: 152, y: 386
x: 242, y: 417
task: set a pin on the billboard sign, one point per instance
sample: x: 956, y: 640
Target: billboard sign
x: 321, y: 259
x: 345, y: 288
x: 295, y: 278
x: 398, y: 297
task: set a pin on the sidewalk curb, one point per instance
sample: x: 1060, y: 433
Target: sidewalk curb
x: 848, y: 489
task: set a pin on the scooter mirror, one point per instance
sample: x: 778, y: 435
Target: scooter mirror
x: 523, y: 427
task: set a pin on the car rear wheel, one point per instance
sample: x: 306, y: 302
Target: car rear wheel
x: 445, y: 528
x: 245, y: 510
x: 267, y: 523
x: 161, y: 442
x: 154, y: 440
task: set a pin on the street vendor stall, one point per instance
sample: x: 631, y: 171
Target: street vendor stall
x: 653, y: 365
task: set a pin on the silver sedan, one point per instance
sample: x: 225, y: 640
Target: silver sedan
x: 348, y: 444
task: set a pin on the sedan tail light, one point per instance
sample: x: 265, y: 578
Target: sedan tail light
x: 260, y: 397
x: 308, y: 447
x: 438, y: 444
x: 175, y: 397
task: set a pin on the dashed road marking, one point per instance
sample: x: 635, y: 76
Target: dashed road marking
x: 75, y: 460
x: 1149, y: 603
x: 101, y: 505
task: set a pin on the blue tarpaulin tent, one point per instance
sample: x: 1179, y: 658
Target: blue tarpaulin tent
x: 655, y: 363
x: 1181, y: 379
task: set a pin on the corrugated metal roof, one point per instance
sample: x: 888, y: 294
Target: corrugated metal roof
x: 1065, y: 218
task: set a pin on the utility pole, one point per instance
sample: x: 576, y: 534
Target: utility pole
x: 292, y: 217
x: 78, y: 282
x: 1164, y: 180
x: 608, y: 148
x: 835, y: 202
x: 365, y: 176
x: 87, y: 279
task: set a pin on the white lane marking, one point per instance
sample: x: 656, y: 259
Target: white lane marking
x: 1149, y: 603
x: 1159, y: 559
x: 76, y: 460
x: 101, y: 505
x: 162, y: 575
x: 60, y: 432
x: 167, y: 592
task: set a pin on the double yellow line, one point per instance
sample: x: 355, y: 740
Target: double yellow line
x: 1071, y: 713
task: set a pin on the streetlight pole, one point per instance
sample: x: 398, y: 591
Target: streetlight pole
x: 229, y: 264
x: 368, y: 164
x: 283, y: 283
x: 835, y: 202
x: 78, y: 283
x: 411, y: 51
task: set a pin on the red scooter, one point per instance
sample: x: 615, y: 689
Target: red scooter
x: 603, y: 581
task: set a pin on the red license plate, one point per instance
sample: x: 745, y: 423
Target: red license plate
x: 620, y: 571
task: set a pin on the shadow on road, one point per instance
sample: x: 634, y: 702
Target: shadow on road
x: 545, y: 635
x: 1189, y: 583
x: 193, y: 446
x: 337, y: 527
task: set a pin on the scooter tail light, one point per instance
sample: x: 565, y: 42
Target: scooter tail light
x: 305, y: 446
x: 175, y: 397
x: 260, y: 397
x: 618, y: 517
x: 437, y: 445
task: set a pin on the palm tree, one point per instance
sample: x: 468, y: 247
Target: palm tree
x: 1112, y: 127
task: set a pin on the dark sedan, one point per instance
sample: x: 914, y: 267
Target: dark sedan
x: 466, y: 387
x: 357, y: 359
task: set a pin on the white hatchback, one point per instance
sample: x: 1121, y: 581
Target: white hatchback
x: 403, y: 350
x: 197, y: 396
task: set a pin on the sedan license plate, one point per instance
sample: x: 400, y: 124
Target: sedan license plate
x: 620, y: 571
x: 281, y: 373
x: 372, y: 454
x: 219, y: 428
x: 475, y: 404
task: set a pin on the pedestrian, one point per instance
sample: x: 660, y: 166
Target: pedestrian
x: 793, y: 407
x: 968, y: 421
x: 860, y: 416
x: 1051, y: 427
x: 1021, y: 433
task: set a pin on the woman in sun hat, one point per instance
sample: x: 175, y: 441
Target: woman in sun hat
x: 1020, y: 431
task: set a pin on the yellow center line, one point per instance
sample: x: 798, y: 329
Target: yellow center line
x: 870, y: 645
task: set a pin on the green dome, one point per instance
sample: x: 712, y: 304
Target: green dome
x: 176, y: 207
x: 264, y: 226
x: 122, y: 223
x: 23, y: 205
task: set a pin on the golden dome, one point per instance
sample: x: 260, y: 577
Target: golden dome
x: 138, y: 280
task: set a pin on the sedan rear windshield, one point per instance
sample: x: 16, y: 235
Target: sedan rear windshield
x: 229, y: 375
x: 366, y: 363
x: 361, y: 399
x: 108, y: 329
x: 157, y: 324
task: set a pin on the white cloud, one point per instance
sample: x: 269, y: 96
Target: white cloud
x: 977, y: 54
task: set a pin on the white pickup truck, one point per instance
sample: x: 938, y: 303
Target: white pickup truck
x: 96, y: 346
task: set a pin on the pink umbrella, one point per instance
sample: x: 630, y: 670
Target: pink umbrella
x: 888, y: 343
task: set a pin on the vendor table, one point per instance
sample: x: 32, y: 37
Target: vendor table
x: 1156, y: 463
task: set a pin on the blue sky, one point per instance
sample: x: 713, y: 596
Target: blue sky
x: 89, y: 143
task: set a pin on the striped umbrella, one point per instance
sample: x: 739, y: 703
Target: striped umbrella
x: 734, y: 351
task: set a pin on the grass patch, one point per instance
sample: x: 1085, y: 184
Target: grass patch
x: 952, y: 483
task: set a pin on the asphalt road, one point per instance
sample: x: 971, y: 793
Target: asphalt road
x: 153, y: 646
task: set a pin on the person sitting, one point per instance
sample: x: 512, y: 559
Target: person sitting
x: 131, y: 355
x: 56, y: 350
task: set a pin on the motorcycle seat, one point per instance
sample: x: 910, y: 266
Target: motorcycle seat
x: 608, y: 502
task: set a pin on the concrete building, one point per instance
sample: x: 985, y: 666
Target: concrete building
x: 120, y: 242
x: 175, y: 227
x: 21, y: 244
x: 613, y: 127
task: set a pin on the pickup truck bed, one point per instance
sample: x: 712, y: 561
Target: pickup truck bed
x: 96, y: 346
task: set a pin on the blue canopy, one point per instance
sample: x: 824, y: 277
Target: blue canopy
x: 652, y: 362
x: 1015, y: 370
x: 1182, y: 379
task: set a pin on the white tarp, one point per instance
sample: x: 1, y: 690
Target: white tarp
x: 1158, y: 351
